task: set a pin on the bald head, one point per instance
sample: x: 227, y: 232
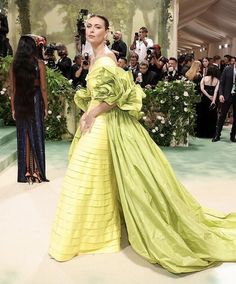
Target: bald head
x: 117, y: 35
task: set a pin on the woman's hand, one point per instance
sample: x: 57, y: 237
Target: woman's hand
x: 45, y: 113
x: 86, y: 122
x: 13, y: 115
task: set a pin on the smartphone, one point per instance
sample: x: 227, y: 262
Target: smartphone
x: 136, y: 34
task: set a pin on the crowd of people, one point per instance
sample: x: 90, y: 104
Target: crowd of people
x: 214, y: 77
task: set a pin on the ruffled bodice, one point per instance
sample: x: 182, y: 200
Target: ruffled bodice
x: 111, y: 84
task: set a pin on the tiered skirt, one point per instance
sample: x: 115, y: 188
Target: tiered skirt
x: 87, y: 216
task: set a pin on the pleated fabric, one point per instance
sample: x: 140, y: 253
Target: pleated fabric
x: 87, y: 217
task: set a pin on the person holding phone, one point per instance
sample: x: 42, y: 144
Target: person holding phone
x: 141, y: 43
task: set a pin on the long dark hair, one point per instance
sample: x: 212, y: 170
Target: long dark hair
x: 24, y: 70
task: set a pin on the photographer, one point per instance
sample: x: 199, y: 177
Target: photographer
x: 141, y: 43
x: 64, y: 62
x: 3, y: 32
x: 156, y: 60
x: 79, y: 70
x: 119, y: 47
x: 172, y: 73
x: 145, y: 77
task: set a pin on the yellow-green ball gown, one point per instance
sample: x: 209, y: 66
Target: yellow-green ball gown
x: 118, y: 163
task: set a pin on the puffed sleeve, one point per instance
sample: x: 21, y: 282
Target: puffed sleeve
x: 116, y: 86
x: 82, y: 98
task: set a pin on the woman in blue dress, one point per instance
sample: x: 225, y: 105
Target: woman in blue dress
x: 29, y: 108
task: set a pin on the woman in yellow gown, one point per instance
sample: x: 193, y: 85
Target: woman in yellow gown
x: 113, y: 164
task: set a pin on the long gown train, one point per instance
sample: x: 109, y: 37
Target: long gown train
x: 119, y: 162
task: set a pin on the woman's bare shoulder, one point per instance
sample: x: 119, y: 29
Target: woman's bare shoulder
x: 111, y: 55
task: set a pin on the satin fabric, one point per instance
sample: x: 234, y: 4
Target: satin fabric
x: 165, y: 224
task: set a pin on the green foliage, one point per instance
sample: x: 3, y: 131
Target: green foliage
x: 60, y: 98
x: 60, y: 93
x: 170, y: 112
x: 5, y: 102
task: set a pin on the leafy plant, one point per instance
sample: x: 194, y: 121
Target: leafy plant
x: 60, y: 98
x: 60, y: 93
x: 5, y: 101
x: 170, y: 112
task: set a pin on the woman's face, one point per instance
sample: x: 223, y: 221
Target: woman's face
x: 205, y: 62
x: 95, y: 30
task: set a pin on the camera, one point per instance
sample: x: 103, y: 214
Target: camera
x: 50, y: 48
x: 81, y: 26
x: 86, y: 59
x: 163, y: 59
x: 150, y: 54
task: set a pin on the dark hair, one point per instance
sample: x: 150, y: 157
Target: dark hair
x: 188, y: 58
x: 24, y: 70
x: 207, y: 58
x: 106, y: 22
x: 216, y: 57
x: 173, y: 58
x: 123, y: 58
x: 212, y: 71
x: 144, y: 29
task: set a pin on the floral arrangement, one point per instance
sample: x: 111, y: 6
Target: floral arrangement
x: 60, y: 98
x: 170, y: 112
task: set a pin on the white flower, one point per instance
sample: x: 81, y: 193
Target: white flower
x: 163, y: 121
x: 185, y: 103
x: 162, y: 135
x: 153, y: 131
x: 185, y: 109
x: 49, y: 112
x: 9, y: 98
x: 58, y: 117
x: 191, y: 116
x: 144, y: 118
x: 162, y: 102
x: 186, y: 94
x: 47, y: 128
x: 4, y: 89
x: 70, y: 81
x: 174, y: 133
x: 166, y: 83
x: 173, y: 108
x: 159, y: 117
x: 170, y: 123
x: 176, y: 98
x: 156, y: 128
x: 2, y: 92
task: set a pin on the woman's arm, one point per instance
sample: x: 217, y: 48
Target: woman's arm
x: 216, y: 91
x: 43, y: 85
x: 12, y: 85
x: 88, y: 118
x: 203, y: 89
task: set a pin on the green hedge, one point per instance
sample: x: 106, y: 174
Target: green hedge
x: 170, y: 112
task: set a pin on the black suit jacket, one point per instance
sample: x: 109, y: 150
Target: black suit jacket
x: 226, y: 82
x: 4, y: 25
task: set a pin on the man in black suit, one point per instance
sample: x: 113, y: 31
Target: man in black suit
x: 227, y: 98
x: 3, y: 32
